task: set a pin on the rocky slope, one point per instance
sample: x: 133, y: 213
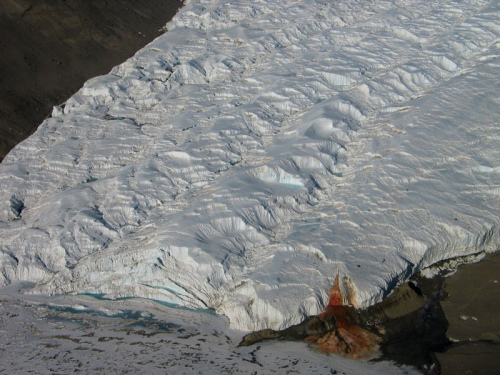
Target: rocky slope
x: 51, y: 47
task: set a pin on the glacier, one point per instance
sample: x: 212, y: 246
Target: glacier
x: 256, y: 150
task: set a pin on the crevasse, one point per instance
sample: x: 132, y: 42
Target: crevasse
x: 255, y: 151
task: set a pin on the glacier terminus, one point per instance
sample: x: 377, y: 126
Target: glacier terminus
x: 258, y: 150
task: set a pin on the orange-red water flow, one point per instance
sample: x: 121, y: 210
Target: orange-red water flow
x: 335, y: 294
x: 346, y: 339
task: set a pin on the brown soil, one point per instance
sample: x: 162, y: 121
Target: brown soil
x: 51, y: 47
x: 472, y: 308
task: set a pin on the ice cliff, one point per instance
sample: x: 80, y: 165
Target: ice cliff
x: 257, y: 150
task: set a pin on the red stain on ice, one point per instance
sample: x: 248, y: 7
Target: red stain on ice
x: 346, y: 339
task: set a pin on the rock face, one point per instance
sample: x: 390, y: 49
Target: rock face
x: 255, y: 151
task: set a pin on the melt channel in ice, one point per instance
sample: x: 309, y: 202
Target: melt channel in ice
x: 257, y: 149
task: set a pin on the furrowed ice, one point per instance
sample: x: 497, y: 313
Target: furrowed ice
x: 258, y: 150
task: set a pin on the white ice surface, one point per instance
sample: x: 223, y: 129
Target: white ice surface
x: 243, y: 159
